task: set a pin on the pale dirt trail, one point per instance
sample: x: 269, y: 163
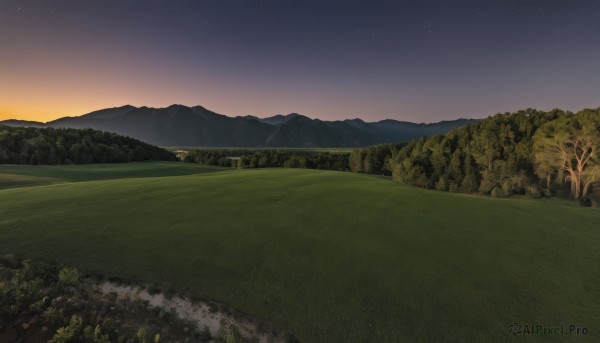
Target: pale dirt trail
x: 198, y: 312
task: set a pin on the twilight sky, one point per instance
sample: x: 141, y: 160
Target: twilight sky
x: 420, y: 60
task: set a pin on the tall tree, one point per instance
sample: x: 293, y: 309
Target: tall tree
x: 570, y: 143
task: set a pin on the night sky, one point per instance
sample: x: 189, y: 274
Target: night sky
x: 415, y: 60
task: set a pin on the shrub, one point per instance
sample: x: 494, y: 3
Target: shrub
x: 453, y: 187
x: 533, y: 192
x: 141, y: 335
x: 497, y: 192
x: 587, y: 202
x: 53, y: 315
x: 4, y: 300
x: 24, y: 288
x: 507, y: 188
x: 68, y: 277
x: 235, y: 332
x: 95, y: 335
x: 441, y: 185
x: 39, y: 306
x: 66, y: 333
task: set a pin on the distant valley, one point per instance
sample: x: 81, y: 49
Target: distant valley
x: 179, y: 125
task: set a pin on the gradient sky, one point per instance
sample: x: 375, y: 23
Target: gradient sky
x: 418, y: 60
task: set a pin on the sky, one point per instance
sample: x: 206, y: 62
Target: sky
x: 420, y: 60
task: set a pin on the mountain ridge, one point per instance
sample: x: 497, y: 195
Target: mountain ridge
x: 179, y: 125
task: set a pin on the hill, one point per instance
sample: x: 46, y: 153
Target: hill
x: 327, y: 256
x: 21, y: 123
x: 179, y: 125
x: 32, y: 145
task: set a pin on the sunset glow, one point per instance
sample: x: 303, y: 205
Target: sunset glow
x: 374, y: 61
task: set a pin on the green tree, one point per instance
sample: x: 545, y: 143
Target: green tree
x: 570, y: 144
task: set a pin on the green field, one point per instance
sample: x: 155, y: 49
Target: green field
x: 328, y: 256
x: 12, y: 176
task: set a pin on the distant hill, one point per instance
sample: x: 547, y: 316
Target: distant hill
x: 179, y: 125
x: 22, y: 123
x: 48, y: 145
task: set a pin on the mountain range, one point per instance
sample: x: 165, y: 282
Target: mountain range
x: 179, y: 125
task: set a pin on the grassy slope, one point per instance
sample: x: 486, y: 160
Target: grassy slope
x: 331, y: 257
x: 13, y: 176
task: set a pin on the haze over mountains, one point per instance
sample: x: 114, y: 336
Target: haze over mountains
x: 179, y: 125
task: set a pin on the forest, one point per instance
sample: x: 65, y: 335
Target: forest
x: 28, y: 145
x: 528, y: 152
x: 270, y: 158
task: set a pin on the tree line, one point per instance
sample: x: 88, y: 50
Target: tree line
x: 373, y: 159
x: 28, y: 145
x: 269, y: 158
x: 527, y: 152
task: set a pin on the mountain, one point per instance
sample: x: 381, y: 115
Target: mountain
x: 279, y: 119
x: 179, y: 125
x: 22, y: 123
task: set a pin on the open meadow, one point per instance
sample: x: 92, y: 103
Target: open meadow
x: 328, y: 256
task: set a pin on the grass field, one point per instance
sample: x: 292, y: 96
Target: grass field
x: 12, y: 176
x: 328, y: 256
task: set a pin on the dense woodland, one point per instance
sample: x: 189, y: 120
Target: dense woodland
x: 28, y: 145
x: 270, y: 158
x: 528, y: 152
x: 374, y: 159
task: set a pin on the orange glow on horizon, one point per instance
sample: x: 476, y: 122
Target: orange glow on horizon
x: 40, y: 113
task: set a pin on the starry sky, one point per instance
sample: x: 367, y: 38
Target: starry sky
x: 420, y: 60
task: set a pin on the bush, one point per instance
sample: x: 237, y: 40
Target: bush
x: 68, y: 277
x: 66, y: 333
x: 21, y: 291
x: 497, y: 192
x: 533, y: 192
x: 547, y: 193
x: 95, y: 335
x: 453, y: 187
x: 441, y: 185
x: 53, y: 315
x: 141, y: 335
x: 507, y: 188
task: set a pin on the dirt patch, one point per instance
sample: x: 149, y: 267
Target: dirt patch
x: 197, y: 312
